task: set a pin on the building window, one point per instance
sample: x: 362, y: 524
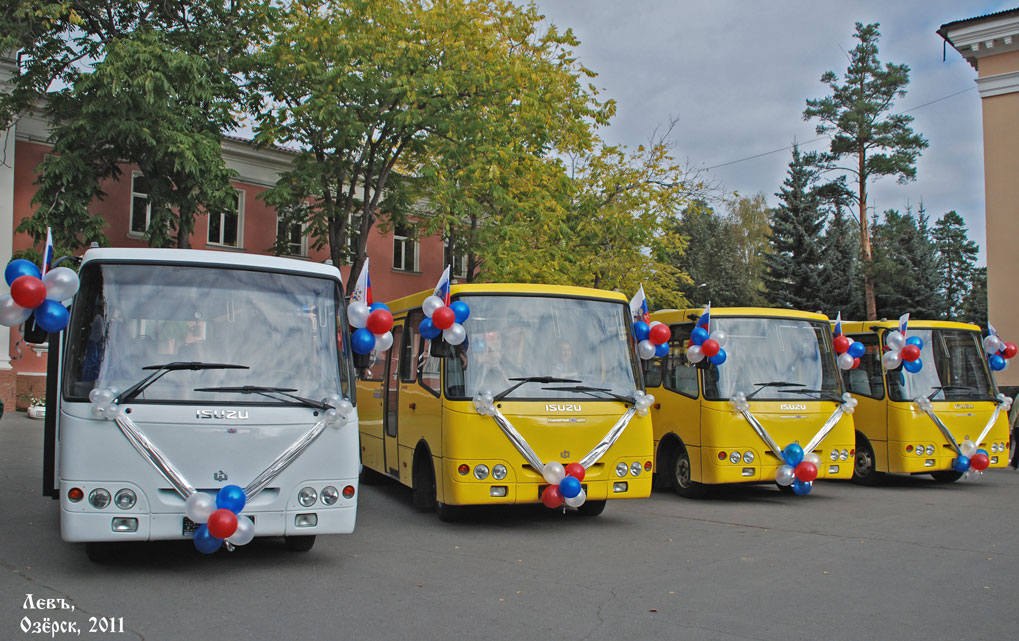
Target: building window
x: 290, y: 238
x: 141, y: 207
x: 459, y: 269
x: 405, y: 249
x: 224, y: 228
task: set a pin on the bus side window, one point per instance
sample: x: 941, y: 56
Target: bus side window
x: 678, y: 374
x: 867, y: 379
x: 652, y: 372
x: 417, y: 363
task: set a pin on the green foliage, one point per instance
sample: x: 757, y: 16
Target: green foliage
x: 974, y: 306
x: 904, y: 270
x: 956, y: 262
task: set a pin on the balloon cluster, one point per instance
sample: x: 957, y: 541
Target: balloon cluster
x: 799, y: 469
x: 340, y: 409
x: 998, y: 352
x: 31, y: 291
x: 707, y: 345
x: 372, y: 325
x: 104, y: 403
x: 440, y: 319
x: 849, y: 351
x: 652, y: 339
x: 220, y: 519
x: 564, y: 485
x: 642, y: 402
x: 902, y: 351
x: 971, y: 461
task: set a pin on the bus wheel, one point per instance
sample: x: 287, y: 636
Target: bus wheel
x: 299, y: 543
x: 591, y: 508
x: 422, y: 490
x: 99, y: 551
x: 946, y: 476
x: 864, y: 470
x: 681, y: 476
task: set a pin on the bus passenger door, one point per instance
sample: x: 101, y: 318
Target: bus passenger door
x: 392, y: 404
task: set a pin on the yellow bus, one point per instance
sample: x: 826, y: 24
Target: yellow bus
x: 559, y: 371
x: 920, y: 423
x: 742, y: 421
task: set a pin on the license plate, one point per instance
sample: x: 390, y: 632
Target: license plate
x: 189, y: 527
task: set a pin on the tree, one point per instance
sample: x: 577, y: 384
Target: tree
x: 840, y: 289
x: 905, y: 275
x: 956, y: 261
x: 792, y: 270
x: 149, y: 83
x: 856, y: 116
x: 974, y: 305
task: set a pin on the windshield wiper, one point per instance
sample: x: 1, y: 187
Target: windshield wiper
x: 941, y: 388
x: 761, y: 386
x: 531, y: 379
x: 593, y: 391
x: 161, y: 370
x: 825, y: 394
x: 268, y: 392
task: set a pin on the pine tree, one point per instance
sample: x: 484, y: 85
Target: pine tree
x: 974, y: 305
x: 840, y: 269
x: 792, y: 269
x: 714, y: 259
x: 956, y: 261
x: 905, y: 274
x: 929, y: 302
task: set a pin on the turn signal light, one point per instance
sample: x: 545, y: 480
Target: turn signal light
x: 348, y: 492
x: 75, y: 494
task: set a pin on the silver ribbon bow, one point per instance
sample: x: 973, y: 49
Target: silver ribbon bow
x: 740, y: 404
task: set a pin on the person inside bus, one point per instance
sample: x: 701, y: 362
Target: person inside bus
x: 566, y: 364
x: 488, y: 371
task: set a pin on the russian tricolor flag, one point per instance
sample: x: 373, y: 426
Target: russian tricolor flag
x: 903, y: 323
x: 838, y: 324
x: 705, y: 319
x: 442, y: 287
x: 47, y: 253
x: 363, y: 287
x: 638, y: 306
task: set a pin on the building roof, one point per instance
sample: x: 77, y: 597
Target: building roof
x: 970, y: 21
x: 987, y: 35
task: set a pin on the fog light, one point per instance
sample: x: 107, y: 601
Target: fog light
x: 621, y: 469
x: 930, y: 450
x: 929, y: 463
x: 844, y: 455
x: 465, y: 469
x: 75, y: 494
x: 498, y: 491
x: 734, y: 457
x: 307, y: 496
x: 833, y: 469
x: 125, y: 499
x: 306, y: 520
x: 124, y: 524
x: 481, y: 471
x: 499, y: 472
x: 748, y: 471
x: 994, y: 459
x: 635, y: 468
x: 348, y: 492
x: 99, y: 498
x: 748, y: 457
x: 330, y: 495
x: 619, y: 486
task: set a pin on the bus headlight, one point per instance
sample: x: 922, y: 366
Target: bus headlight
x: 930, y: 450
x: 734, y: 457
x: 635, y: 468
x: 499, y: 472
x: 920, y: 450
x: 622, y: 469
x: 307, y: 496
x: 125, y: 499
x: 330, y: 495
x: 99, y: 498
x: 844, y: 455
x: 748, y: 457
x: 994, y: 448
x: 481, y: 471
x: 834, y: 455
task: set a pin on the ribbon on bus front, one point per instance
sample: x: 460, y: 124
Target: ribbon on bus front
x: 219, y: 518
x: 969, y: 461
x: 800, y: 464
x: 564, y: 482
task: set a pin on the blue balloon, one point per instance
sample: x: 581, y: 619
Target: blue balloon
x: 428, y: 330
x: 699, y: 335
x: 983, y: 451
x: 913, y: 366
x: 569, y: 487
x: 961, y: 464
x: 718, y: 358
x: 374, y: 306
x: 802, y: 488
x: 51, y: 316
x: 915, y: 340
x: 205, y: 542
x: 20, y: 267
x: 793, y: 454
x: 232, y: 498
x: 641, y: 331
x: 363, y: 341
x: 996, y: 362
x: 461, y: 310
x: 857, y: 350
x: 661, y: 351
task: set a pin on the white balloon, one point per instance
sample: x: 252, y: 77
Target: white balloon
x: 646, y: 349
x: 846, y: 361
x: 383, y: 342
x: 431, y: 304
x: 554, y: 472
x: 455, y: 334
x: 61, y: 283
x: 244, y: 533
x: 694, y: 354
x: 357, y: 314
x: 895, y: 340
x: 891, y: 360
x: 344, y: 408
x: 577, y: 500
x: 785, y: 475
x: 12, y: 314
x: 992, y: 344
x: 968, y: 448
x: 653, y: 323
x: 199, y: 507
x: 814, y: 458
x: 720, y: 337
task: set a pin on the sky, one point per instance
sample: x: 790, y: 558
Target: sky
x: 736, y: 75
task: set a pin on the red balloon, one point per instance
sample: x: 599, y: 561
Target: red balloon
x: 222, y: 523
x: 443, y: 318
x: 856, y: 363
x: 28, y: 291
x: 709, y: 347
x: 979, y: 461
x: 842, y: 344
x: 660, y: 334
x: 379, y: 322
x: 910, y: 353
x: 551, y: 497
x: 576, y: 470
x: 806, y: 471
x: 1010, y: 350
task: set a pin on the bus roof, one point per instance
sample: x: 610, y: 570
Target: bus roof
x: 670, y: 316
x: 863, y: 327
x: 414, y: 300
x: 205, y: 257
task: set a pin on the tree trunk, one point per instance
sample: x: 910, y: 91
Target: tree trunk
x: 868, y: 257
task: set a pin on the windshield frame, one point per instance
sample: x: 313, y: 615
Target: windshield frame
x: 894, y: 390
x: 345, y: 371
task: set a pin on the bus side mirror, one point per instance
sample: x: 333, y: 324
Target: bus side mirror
x: 35, y: 334
x: 362, y: 361
x: 440, y: 349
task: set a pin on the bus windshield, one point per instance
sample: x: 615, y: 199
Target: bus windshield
x: 774, y: 359
x: 578, y: 339
x: 285, y: 329
x: 954, y: 369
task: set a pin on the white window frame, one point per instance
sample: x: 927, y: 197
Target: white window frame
x: 462, y: 257
x: 303, y: 250
x: 415, y: 259
x: 222, y: 225
x: 131, y: 231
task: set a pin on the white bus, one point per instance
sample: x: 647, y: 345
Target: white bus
x: 182, y: 372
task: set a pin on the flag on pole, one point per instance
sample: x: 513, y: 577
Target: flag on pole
x: 991, y: 331
x: 442, y: 287
x: 363, y: 287
x: 705, y: 319
x: 638, y: 306
x: 903, y: 322
x: 47, y: 252
x: 838, y: 324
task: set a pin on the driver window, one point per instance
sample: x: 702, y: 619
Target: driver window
x: 679, y: 374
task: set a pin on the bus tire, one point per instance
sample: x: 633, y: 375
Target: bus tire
x: 422, y: 491
x: 946, y: 476
x: 865, y: 464
x: 299, y: 543
x: 591, y: 508
x: 681, y: 471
